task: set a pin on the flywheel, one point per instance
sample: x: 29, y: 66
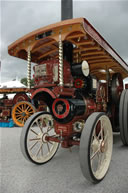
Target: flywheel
x: 116, y: 87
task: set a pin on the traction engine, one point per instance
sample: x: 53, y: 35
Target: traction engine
x: 81, y: 112
x: 79, y: 78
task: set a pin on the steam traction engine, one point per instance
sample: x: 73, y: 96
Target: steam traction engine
x: 80, y: 78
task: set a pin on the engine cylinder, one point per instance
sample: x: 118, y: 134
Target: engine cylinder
x: 64, y: 110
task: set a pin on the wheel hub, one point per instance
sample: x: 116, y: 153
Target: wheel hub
x: 42, y: 137
x: 98, y: 145
x: 95, y: 145
x: 102, y: 147
x: 23, y: 114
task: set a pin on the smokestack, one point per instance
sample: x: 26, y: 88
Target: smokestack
x: 66, y: 9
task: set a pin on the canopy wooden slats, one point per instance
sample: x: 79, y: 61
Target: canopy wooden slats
x: 87, y: 42
x: 95, y: 57
x: 44, y: 45
x: 100, y: 60
x: 47, y: 53
x: 75, y: 36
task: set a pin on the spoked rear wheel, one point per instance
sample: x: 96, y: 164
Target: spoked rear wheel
x: 96, y: 147
x: 123, y: 117
x: 33, y: 141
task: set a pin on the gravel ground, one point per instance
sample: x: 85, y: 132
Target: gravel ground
x: 61, y: 175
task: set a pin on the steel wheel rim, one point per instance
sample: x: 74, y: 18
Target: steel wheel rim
x: 39, y: 149
x: 101, y: 148
x: 21, y: 112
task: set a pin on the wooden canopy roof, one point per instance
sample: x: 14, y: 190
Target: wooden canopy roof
x: 88, y: 45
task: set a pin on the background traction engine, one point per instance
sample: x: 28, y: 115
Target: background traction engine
x: 19, y: 108
x: 82, y: 111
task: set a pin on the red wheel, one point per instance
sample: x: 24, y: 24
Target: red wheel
x: 20, y: 97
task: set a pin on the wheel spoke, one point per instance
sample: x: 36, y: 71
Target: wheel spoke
x: 27, y: 108
x: 39, y: 125
x: 30, y: 113
x: 33, y: 145
x: 25, y: 118
x: 33, y: 131
x: 100, y: 135
x: 106, y: 137
x: 39, y: 150
x: 49, y: 129
x: 99, y: 160
x: 43, y: 122
x: 33, y: 139
x: 17, y: 113
x: 42, y: 153
x: 20, y: 118
x: 24, y: 105
x: 94, y: 154
x: 48, y: 147
x: 53, y: 135
x: 50, y: 142
x: 94, y: 135
x: 19, y: 110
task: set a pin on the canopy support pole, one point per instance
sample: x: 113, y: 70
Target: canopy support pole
x: 29, y: 69
x: 61, y: 80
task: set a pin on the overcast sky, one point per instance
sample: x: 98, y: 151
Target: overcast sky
x: 110, y: 18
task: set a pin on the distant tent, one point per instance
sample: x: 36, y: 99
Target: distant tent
x: 12, y: 84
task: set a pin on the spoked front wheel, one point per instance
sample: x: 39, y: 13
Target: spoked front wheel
x: 96, y: 147
x: 34, y: 144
